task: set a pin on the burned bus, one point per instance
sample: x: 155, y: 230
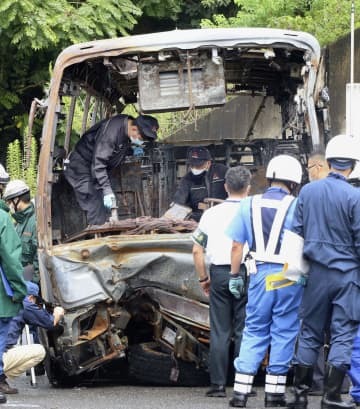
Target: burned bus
x: 129, y: 287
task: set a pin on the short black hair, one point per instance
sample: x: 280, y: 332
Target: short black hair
x: 317, y: 153
x: 237, y: 179
x: 25, y: 197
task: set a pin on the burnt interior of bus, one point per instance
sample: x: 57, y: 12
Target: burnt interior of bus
x: 176, y: 80
x: 136, y: 297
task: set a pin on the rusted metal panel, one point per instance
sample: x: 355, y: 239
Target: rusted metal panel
x: 168, y: 86
x: 97, y: 270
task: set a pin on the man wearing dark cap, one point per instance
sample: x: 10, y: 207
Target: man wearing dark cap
x: 17, y: 359
x: 100, y: 149
x: 205, y: 179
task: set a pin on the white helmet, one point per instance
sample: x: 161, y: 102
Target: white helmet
x: 284, y: 167
x: 355, y: 174
x: 343, y: 147
x: 15, y: 188
x: 4, y: 176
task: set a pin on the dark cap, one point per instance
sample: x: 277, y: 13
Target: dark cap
x: 148, y: 126
x: 32, y: 288
x: 197, y: 155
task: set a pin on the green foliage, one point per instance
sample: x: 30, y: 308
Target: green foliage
x: 33, y: 32
x: 326, y: 20
x: 14, y: 162
x: 193, y: 11
x: 40, y: 24
x: 30, y: 172
x: 160, y: 8
x: 23, y: 164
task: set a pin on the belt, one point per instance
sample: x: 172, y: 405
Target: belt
x: 221, y: 265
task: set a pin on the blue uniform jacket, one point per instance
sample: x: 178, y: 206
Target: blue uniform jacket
x: 327, y: 216
x: 241, y: 229
x: 32, y: 314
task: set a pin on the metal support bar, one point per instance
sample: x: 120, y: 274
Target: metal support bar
x: 32, y: 370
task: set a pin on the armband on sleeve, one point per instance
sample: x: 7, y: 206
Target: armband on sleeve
x: 200, y: 238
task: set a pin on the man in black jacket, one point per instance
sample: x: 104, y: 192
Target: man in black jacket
x: 205, y: 179
x: 101, y: 148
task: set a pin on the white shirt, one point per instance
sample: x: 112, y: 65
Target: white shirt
x: 210, y: 232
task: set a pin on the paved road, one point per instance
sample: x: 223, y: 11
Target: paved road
x: 121, y: 397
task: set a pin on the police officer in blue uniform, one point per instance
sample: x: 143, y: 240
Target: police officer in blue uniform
x: 354, y: 371
x: 327, y: 216
x: 271, y: 312
x: 32, y: 314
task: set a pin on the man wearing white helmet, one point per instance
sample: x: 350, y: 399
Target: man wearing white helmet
x: 354, y: 372
x: 327, y: 216
x: 17, y: 196
x: 272, y: 310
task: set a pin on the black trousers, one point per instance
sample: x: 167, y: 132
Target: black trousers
x: 90, y: 199
x: 227, y: 319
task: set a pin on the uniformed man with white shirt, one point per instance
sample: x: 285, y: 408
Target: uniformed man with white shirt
x: 227, y: 313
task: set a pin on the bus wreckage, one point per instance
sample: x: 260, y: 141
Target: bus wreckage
x: 128, y: 287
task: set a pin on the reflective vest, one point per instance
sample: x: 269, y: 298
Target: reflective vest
x: 270, y: 253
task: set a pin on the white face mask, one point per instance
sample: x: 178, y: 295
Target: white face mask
x: 135, y: 141
x: 11, y: 208
x: 197, y: 172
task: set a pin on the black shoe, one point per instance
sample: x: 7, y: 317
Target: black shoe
x: 238, y: 400
x: 357, y: 403
x: 275, y: 400
x: 2, y: 398
x: 303, y: 376
x: 40, y: 369
x: 316, y: 392
x: 333, y: 380
x: 216, y: 391
x: 6, y: 388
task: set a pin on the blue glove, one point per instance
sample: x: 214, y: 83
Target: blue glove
x: 302, y: 280
x: 109, y: 200
x: 237, y: 286
x: 138, y: 151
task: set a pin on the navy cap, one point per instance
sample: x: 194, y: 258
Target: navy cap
x: 198, y: 154
x: 32, y: 288
x: 148, y: 126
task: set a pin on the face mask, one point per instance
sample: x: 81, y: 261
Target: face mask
x: 135, y: 141
x: 197, y: 172
x: 12, y: 208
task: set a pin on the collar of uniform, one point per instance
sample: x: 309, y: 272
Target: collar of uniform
x: 21, y: 215
x: 232, y: 200
x: 337, y: 176
x: 277, y: 189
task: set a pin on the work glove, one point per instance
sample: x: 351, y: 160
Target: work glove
x: 138, y: 151
x: 302, y: 280
x: 109, y: 200
x: 236, y: 285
